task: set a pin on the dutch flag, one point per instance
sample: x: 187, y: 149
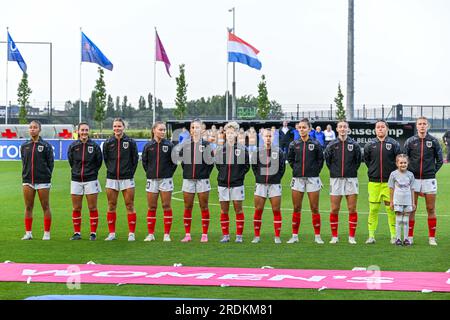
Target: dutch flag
x: 242, y: 52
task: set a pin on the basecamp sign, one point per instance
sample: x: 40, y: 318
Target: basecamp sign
x: 237, y: 277
x: 364, y: 131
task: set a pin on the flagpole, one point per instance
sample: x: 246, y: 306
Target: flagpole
x: 6, y: 95
x: 81, y: 61
x: 226, y: 94
x: 154, y: 82
x: 233, y: 101
x: 233, y: 116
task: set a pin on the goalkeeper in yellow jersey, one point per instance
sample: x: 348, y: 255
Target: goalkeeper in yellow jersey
x: 379, y: 156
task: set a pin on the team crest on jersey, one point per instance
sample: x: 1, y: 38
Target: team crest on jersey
x: 40, y: 148
x: 275, y: 155
x: 429, y: 144
x: 165, y: 148
x: 237, y: 152
x: 202, y: 148
x: 90, y: 149
x: 350, y: 147
x: 125, y: 145
x: 311, y: 147
x: 388, y: 146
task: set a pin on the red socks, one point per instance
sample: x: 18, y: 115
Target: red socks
x: 28, y: 224
x: 225, y: 223
x: 205, y: 221
x: 132, y: 222
x: 257, y: 222
x: 151, y: 221
x: 240, y: 223
x: 277, y: 222
x: 47, y: 224
x: 431, y: 227
x: 352, y: 223
x: 411, y: 228
x: 316, y: 223
x: 93, y: 219
x: 76, y: 220
x: 187, y: 220
x: 334, y: 223
x: 111, y: 217
x: 296, y: 218
x: 167, y: 221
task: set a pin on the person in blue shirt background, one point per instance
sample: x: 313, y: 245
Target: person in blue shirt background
x: 296, y: 132
x: 312, y: 134
x: 184, y: 135
x: 320, y: 136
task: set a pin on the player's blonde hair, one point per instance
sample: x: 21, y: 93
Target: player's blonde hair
x: 232, y: 124
x: 155, y: 125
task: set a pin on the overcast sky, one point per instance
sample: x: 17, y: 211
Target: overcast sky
x: 402, y: 48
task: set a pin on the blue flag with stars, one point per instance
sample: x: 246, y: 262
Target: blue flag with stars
x: 90, y: 53
x: 14, y: 54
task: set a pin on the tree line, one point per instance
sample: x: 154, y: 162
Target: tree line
x: 102, y: 107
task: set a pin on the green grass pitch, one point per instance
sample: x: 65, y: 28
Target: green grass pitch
x: 304, y: 255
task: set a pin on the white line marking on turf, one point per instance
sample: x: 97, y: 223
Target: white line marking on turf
x: 303, y: 210
x: 359, y: 269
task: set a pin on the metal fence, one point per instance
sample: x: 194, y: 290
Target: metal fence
x: 438, y: 116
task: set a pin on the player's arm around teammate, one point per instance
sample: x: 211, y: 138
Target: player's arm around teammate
x: 121, y: 159
x: 343, y: 159
x: 379, y: 156
x: 197, y: 163
x: 85, y: 159
x: 159, y: 168
x: 268, y: 167
x: 305, y: 156
x: 37, y: 168
x: 232, y: 163
x: 425, y: 160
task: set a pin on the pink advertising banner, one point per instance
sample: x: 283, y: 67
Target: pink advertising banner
x: 236, y: 277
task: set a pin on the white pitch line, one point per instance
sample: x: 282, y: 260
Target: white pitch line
x: 303, y: 210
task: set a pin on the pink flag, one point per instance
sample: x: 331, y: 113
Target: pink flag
x: 161, y: 54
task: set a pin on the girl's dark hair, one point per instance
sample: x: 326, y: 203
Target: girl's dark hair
x: 82, y: 124
x: 384, y: 121
x: 37, y: 122
x: 306, y: 120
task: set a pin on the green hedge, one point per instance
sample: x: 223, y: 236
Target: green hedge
x: 136, y: 134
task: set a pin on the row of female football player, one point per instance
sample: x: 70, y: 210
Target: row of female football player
x: 343, y: 157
